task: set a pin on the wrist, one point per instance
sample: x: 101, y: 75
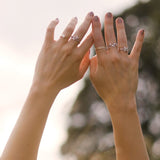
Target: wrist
x: 44, y: 88
x: 122, y: 105
x: 43, y: 93
x: 123, y: 112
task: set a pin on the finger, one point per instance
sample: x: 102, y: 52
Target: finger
x: 121, y: 36
x: 68, y: 30
x: 86, y: 45
x: 84, y: 64
x: 135, y: 53
x: 97, y: 36
x: 79, y: 34
x: 50, y: 31
x: 109, y: 31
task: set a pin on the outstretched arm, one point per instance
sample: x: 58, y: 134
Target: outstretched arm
x: 59, y: 64
x: 114, y: 75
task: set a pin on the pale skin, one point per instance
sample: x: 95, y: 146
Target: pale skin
x: 114, y: 75
x: 60, y: 64
x: 63, y: 62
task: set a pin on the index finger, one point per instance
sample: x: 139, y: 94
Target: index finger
x: 82, y: 30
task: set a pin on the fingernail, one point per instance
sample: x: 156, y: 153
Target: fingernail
x: 142, y: 32
x: 57, y: 20
x: 91, y: 14
x: 75, y: 18
x: 119, y: 20
x: 109, y: 14
x: 96, y: 18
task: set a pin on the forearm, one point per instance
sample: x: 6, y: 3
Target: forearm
x: 25, y: 138
x: 54, y: 71
x: 128, y: 134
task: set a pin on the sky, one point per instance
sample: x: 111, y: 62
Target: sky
x: 22, y: 30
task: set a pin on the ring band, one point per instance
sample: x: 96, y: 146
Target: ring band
x: 124, y: 49
x: 75, y: 38
x: 101, y: 48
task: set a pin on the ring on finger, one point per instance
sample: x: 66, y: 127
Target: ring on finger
x: 101, y: 48
x: 112, y: 45
x: 75, y: 38
x: 124, y: 49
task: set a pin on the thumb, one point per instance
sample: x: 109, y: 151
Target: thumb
x: 135, y: 53
x: 93, y: 65
x: 84, y: 64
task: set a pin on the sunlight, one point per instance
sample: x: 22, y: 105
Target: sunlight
x: 23, y: 26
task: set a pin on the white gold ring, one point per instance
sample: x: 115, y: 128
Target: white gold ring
x: 75, y: 38
x: 124, y: 49
x: 112, y: 45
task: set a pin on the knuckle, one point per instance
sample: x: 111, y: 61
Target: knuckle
x: 78, y: 54
x: 77, y: 57
x: 115, y: 59
x: 67, y: 49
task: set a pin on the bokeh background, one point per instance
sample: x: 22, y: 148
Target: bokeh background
x: 79, y: 126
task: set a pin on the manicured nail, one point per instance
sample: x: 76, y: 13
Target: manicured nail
x: 109, y: 14
x: 96, y: 18
x: 91, y: 14
x: 75, y: 18
x: 119, y: 20
x: 57, y: 20
x: 142, y: 32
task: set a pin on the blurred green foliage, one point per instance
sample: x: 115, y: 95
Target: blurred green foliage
x: 90, y: 135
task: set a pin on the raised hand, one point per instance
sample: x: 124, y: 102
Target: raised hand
x: 63, y: 62
x: 59, y: 64
x: 113, y: 72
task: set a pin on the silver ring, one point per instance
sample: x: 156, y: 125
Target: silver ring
x: 75, y: 38
x: 112, y: 45
x: 124, y: 49
x: 101, y: 48
x: 62, y: 36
